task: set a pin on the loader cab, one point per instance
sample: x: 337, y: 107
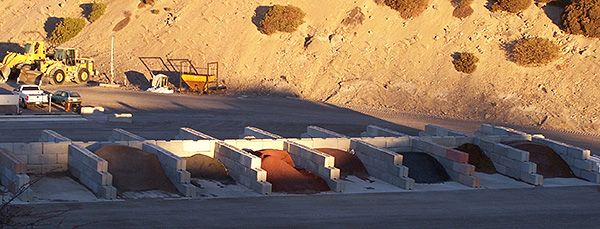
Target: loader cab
x: 67, y: 55
x: 35, y: 49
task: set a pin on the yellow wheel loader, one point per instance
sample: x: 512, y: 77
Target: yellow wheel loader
x: 37, y: 67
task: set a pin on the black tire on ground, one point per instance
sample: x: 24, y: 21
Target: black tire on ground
x: 83, y: 76
x: 57, y: 77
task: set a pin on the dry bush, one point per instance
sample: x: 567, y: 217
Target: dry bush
x: 464, y: 9
x: 531, y: 52
x: 512, y: 6
x: 148, y: 2
x: 66, y: 29
x: 582, y: 17
x: 408, y: 8
x: 98, y: 9
x: 355, y: 17
x: 155, y: 11
x: 466, y: 62
x: 282, y: 18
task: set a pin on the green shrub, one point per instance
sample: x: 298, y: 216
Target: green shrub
x: 282, y: 18
x: 98, y: 9
x: 582, y: 17
x: 66, y: 29
x: 512, y: 6
x: 535, y: 51
x: 466, y: 62
x: 408, y: 8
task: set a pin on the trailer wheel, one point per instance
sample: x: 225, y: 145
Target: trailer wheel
x: 83, y: 76
x: 58, y: 77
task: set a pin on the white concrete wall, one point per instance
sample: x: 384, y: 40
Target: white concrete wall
x: 91, y: 171
x: 258, y: 133
x: 243, y: 167
x: 13, y: 175
x: 376, y: 131
x: 174, y: 168
x: 186, y: 133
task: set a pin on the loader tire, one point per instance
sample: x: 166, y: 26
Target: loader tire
x: 58, y: 77
x: 82, y: 76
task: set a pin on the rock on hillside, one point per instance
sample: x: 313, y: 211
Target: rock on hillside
x: 386, y: 61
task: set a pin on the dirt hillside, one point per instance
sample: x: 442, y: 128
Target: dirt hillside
x: 386, y: 61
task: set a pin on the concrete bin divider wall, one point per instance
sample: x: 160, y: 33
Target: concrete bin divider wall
x: 174, y: 168
x: 579, y: 160
x: 433, y: 130
x: 396, y: 144
x: 243, y: 167
x: 455, y: 162
x: 188, y: 148
x: 91, y: 171
x: 376, y: 131
x: 317, y: 162
x: 382, y: 164
x: 52, y: 136
x: 318, y: 132
x: 258, y: 133
x: 123, y: 135
x: 186, y: 133
x: 41, y: 157
x: 14, y: 176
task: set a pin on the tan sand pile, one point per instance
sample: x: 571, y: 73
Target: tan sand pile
x: 205, y: 167
x: 134, y: 169
x: 348, y: 163
x: 285, y: 178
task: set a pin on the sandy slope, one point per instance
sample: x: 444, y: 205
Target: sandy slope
x: 385, y: 62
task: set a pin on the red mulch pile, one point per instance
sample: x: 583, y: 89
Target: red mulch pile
x: 285, y: 178
x: 478, y: 158
x: 549, y: 163
x: 348, y: 163
x: 134, y: 169
x: 205, y: 167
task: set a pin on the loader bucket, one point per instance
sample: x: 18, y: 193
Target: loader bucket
x: 4, y: 73
x: 30, y: 77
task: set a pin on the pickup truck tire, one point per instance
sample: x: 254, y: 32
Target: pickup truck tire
x: 82, y: 76
x: 57, y: 77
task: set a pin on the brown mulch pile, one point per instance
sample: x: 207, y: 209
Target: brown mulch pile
x: 348, y: 163
x: 205, y: 167
x: 285, y: 178
x: 134, y: 169
x: 549, y: 163
x: 478, y: 158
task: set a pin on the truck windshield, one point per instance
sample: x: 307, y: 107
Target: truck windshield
x: 28, y: 48
x: 30, y: 88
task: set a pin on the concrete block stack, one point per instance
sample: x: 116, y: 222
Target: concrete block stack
x: 41, y: 157
x: 91, y: 171
x: 454, y: 161
x: 243, y: 167
x: 376, y: 131
x: 501, y: 134
x: 52, y: 136
x: 186, y: 133
x: 396, y: 144
x: 123, y: 135
x: 188, y: 148
x: 318, y: 132
x: 258, y: 133
x: 174, y: 168
x: 317, y: 162
x: 382, y: 164
x: 14, y: 175
x: 432, y: 130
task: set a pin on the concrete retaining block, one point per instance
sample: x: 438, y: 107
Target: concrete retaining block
x: 91, y: 171
x: 174, y: 168
x: 318, y: 132
x: 593, y: 177
x: 14, y: 176
x: 258, y: 133
x: 52, y: 136
x: 123, y: 135
x: 232, y: 157
x: 92, y: 110
x: 534, y: 179
x: 471, y: 181
x: 186, y: 133
x: 376, y: 131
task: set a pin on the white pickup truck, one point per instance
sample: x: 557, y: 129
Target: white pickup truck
x: 31, y: 94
